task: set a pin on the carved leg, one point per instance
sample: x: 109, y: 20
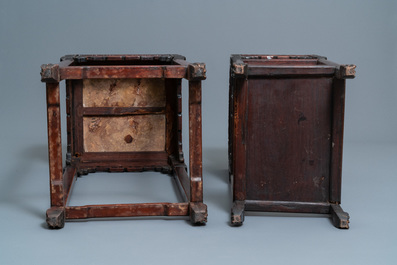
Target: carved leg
x: 55, y: 217
x: 237, y: 216
x: 198, y: 213
x: 339, y: 217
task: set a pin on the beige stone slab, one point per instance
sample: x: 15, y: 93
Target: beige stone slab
x: 124, y: 134
x: 123, y: 93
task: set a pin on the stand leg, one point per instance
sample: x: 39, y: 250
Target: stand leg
x: 339, y: 217
x: 237, y: 215
x: 55, y: 145
x: 195, y: 142
x: 198, y: 213
x: 55, y: 217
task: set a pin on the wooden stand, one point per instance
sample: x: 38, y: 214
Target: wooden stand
x: 124, y: 113
x: 286, y: 135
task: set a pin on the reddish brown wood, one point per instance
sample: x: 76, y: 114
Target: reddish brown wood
x: 121, y: 161
x: 339, y: 217
x: 237, y: 213
x: 272, y: 70
x: 290, y: 119
x: 286, y: 134
x: 337, y: 139
x: 69, y: 176
x: 127, y: 210
x: 195, y: 145
x: 50, y: 73
x: 275, y: 56
x: 171, y: 112
x: 55, y: 217
x: 182, y: 178
x: 127, y: 71
x: 287, y: 206
x: 114, y: 99
x: 343, y: 71
x: 55, y: 144
x: 198, y: 213
x: 179, y: 122
x: 239, y: 140
x: 121, y: 166
x: 122, y: 59
x: 196, y: 71
x: 124, y: 156
x: 86, y: 168
x: 77, y: 118
x: 69, y: 124
x: 281, y: 62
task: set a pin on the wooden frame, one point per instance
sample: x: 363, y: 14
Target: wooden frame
x: 169, y: 68
x: 286, y: 134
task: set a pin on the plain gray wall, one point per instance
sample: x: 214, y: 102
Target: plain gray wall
x: 352, y: 32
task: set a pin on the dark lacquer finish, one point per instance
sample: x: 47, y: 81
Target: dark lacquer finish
x: 124, y: 113
x: 286, y: 134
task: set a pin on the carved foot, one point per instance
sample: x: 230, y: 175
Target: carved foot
x: 237, y: 216
x: 339, y: 217
x: 55, y: 217
x: 198, y: 213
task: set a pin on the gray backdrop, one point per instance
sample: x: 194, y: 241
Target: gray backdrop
x: 351, y: 32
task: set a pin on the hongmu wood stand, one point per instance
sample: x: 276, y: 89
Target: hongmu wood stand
x: 124, y: 113
x: 286, y: 135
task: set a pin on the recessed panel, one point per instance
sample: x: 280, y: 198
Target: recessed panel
x: 289, y: 139
x: 124, y: 134
x: 123, y: 93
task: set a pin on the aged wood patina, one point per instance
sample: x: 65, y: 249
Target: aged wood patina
x: 286, y: 134
x: 124, y: 113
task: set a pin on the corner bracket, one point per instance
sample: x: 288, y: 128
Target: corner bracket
x: 346, y: 71
x: 239, y: 68
x: 50, y: 73
x: 196, y: 71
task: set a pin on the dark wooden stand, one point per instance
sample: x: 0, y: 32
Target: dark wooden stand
x: 124, y: 113
x: 286, y: 135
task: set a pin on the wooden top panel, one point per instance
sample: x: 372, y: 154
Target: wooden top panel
x: 278, y: 56
x: 122, y: 66
x: 288, y: 66
x: 123, y: 93
x: 276, y: 65
x: 126, y: 59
